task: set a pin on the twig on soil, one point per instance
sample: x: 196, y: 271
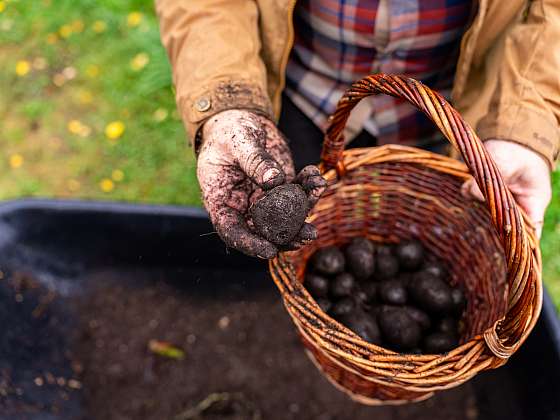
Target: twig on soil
x: 216, y: 398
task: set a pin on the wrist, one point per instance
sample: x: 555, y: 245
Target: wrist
x: 226, y: 120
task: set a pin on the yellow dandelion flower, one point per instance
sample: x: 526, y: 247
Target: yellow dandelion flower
x: 134, y: 19
x: 139, y: 61
x: 160, y: 114
x: 117, y: 175
x: 77, y: 26
x: 85, y: 97
x: 65, y: 31
x: 114, y: 130
x: 16, y: 160
x: 92, y: 71
x: 73, y: 185
x: 106, y: 185
x: 22, y: 68
x: 99, y: 26
x: 2, y: 6
x: 52, y: 38
x: 74, y: 126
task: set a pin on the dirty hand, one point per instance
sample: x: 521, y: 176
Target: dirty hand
x: 241, y: 155
x: 526, y: 174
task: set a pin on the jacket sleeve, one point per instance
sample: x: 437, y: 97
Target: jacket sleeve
x: 525, y: 107
x: 214, y: 49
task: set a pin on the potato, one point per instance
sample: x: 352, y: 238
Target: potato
x: 399, y: 329
x: 419, y: 316
x: 387, y: 265
x: 343, y: 307
x: 361, y: 297
x: 343, y: 285
x: 280, y: 214
x: 448, y: 326
x: 324, y: 304
x: 362, y: 242
x: 370, y: 290
x: 328, y: 261
x: 405, y: 278
x: 439, y: 342
x: 410, y: 254
x: 317, y: 285
x: 392, y: 292
x: 435, y: 269
x: 431, y: 294
x: 360, y: 259
x: 363, y: 325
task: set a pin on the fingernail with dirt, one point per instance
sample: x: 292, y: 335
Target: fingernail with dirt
x: 270, y: 176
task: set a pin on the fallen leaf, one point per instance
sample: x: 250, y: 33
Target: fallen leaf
x: 165, y: 349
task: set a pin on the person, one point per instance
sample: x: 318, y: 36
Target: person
x: 241, y: 67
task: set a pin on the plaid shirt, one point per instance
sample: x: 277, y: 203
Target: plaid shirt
x: 340, y: 41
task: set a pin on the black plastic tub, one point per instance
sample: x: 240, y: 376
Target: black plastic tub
x: 61, y: 245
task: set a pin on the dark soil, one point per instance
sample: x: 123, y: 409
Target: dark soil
x: 242, y: 357
x: 245, y: 352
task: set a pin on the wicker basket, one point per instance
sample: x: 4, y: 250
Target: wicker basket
x: 391, y: 193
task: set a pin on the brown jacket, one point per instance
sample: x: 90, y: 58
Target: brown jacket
x: 230, y: 54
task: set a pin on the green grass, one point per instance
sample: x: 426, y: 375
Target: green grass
x: 82, y: 73
x: 58, y: 38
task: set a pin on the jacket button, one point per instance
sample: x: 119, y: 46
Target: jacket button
x: 203, y: 104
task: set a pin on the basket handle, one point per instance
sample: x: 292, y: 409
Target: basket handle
x: 516, y: 234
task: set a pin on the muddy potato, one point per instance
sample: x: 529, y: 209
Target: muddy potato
x: 364, y: 325
x: 392, y: 292
x: 361, y: 297
x: 383, y: 250
x: 280, y: 214
x: 343, y: 307
x: 419, y: 316
x: 410, y: 254
x: 362, y: 242
x: 328, y: 261
x: 317, y: 285
x: 431, y: 294
x: 360, y: 259
x: 378, y: 309
x: 343, y: 285
x: 448, y: 326
x: 439, y: 342
x: 324, y: 304
x: 435, y: 269
x: 405, y: 278
x: 370, y: 290
x: 399, y: 329
x: 387, y: 265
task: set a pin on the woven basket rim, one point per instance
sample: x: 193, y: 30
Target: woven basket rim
x: 374, y: 367
x: 476, y: 347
